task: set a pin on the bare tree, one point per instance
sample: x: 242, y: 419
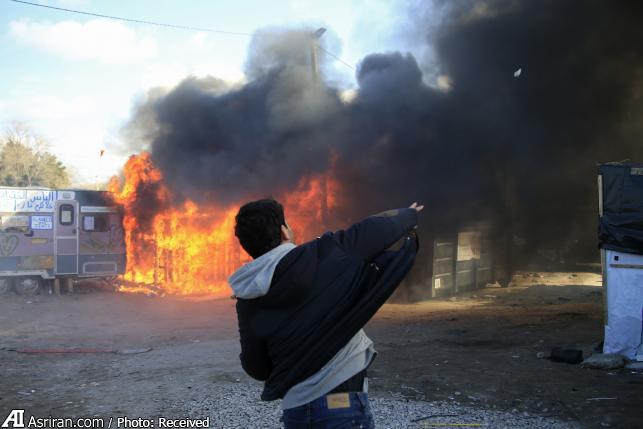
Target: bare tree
x: 25, y: 161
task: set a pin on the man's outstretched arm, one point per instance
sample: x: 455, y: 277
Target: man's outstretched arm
x: 377, y: 233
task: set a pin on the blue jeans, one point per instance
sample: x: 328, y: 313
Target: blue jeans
x: 318, y: 415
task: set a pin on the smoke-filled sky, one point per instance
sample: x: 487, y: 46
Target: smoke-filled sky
x: 502, y: 113
x: 482, y: 109
x: 75, y: 78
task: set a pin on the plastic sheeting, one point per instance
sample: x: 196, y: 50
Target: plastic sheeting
x: 623, y: 331
x: 621, y: 225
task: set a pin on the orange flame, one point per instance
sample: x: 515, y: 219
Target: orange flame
x: 192, y: 249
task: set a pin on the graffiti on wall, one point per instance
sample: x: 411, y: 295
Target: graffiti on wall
x: 8, y: 244
x: 116, y: 235
x: 98, y: 242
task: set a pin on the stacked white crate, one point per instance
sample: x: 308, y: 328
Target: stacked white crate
x: 624, y: 287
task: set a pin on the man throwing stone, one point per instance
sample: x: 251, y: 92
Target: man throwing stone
x: 301, y: 309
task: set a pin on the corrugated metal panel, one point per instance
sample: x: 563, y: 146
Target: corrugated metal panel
x: 450, y: 275
x: 443, y: 268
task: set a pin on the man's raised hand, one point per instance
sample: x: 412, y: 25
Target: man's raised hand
x: 416, y: 207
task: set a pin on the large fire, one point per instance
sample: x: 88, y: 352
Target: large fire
x: 192, y: 249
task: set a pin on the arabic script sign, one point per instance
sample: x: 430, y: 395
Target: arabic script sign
x: 42, y: 222
x: 22, y: 200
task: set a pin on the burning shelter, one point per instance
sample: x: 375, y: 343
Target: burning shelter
x: 501, y: 158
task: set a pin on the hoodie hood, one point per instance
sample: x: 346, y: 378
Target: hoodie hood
x: 253, y: 279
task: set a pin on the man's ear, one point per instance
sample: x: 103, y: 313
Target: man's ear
x: 285, y: 234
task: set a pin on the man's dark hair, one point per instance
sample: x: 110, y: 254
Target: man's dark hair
x: 258, y: 226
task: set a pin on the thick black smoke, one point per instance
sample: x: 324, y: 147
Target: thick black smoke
x: 534, y: 94
x: 228, y: 144
x: 531, y: 95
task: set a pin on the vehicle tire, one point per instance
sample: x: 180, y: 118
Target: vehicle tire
x: 27, y: 286
x: 5, y: 285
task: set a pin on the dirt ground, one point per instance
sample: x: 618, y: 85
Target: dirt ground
x: 480, y: 350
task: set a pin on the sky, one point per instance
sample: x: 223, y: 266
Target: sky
x: 75, y: 79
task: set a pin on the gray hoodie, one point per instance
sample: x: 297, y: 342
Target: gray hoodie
x: 253, y: 280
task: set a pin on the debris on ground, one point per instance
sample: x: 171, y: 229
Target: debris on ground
x: 573, y: 356
x: 636, y: 366
x: 43, y: 351
x: 604, y: 361
x: 133, y: 351
x: 63, y: 351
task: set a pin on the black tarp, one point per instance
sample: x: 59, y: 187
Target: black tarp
x: 620, y: 227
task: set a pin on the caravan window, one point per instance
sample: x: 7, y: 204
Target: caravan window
x: 14, y: 223
x: 96, y: 222
x: 66, y: 214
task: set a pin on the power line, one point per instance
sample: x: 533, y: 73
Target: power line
x: 137, y: 21
x: 337, y: 58
x: 161, y: 24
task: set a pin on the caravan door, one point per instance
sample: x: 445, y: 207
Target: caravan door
x: 66, y: 237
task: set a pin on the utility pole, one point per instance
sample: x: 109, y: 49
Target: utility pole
x: 323, y: 209
x: 313, y: 53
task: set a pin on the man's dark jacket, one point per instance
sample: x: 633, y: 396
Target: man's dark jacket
x: 322, y: 293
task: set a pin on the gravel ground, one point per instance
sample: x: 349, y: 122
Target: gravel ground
x: 236, y: 405
x: 475, y: 357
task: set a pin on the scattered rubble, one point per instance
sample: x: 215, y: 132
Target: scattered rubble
x: 636, y: 366
x: 604, y: 361
x: 572, y: 356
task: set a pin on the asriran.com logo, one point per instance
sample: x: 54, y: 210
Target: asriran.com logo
x: 16, y: 419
